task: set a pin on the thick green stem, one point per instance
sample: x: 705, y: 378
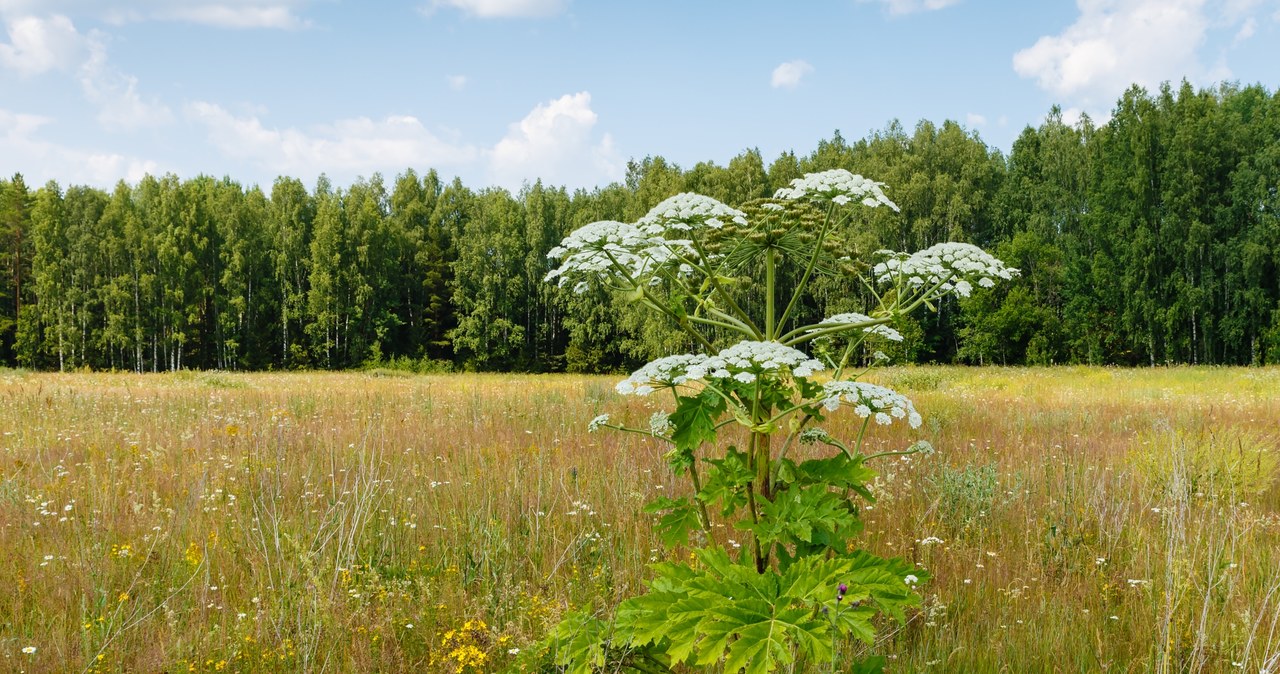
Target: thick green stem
x: 697, y: 489
x: 770, y: 282
x: 755, y: 464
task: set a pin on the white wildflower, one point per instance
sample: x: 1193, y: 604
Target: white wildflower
x: 688, y: 211
x: 659, y: 423
x: 664, y: 372
x: 869, y: 399
x: 855, y: 319
x: 747, y: 360
x: 838, y: 186
x: 615, y: 250
x: 951, y: 266
x: 29, y: 650
x: 597, y: 422
x: 910, y: 579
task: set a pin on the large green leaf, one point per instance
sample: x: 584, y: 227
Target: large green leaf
x: 678, y: 518
x: 695, y: 419
x: 725, y: 481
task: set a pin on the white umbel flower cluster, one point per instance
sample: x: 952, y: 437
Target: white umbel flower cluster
x: 855, y: 318
x: 598, y: 249
x: 960, y: 265
x: 867, y: 400
x: 597, y: 422
x: 747, y: 360
x: 664, y: 372
x: 743, y: 362
x: 687, y: 211
x: 838, y: 186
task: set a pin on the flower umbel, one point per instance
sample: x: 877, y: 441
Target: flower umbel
x: 839, y: 187
x: 871, y: 399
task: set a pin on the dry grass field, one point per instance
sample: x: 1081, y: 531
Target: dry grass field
x: 1074, y: 519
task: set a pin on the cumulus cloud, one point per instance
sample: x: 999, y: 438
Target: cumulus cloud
x: 343, y: 148
x: 556, y: 142
x: 219, y: 13
x: 899, y: 7
x: 975, y: 119
x: 120, y: 106
x: 38, y: 45
x: 1115, y: 43
x: 501, y: 9
x: 39, y: 160
x: 788, y: 75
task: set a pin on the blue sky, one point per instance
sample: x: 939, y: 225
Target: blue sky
x: 502, y: 91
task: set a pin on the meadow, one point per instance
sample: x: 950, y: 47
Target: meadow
x: 1074, y: 519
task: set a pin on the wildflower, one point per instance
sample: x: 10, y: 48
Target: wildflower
x: 867, y: 399
x: 29, y: 650
x: 910, y: 579
x: 665, y: 372
x: 688, y: 211
x: 513, y: 651
x: 854, y: 319
x: 747, y: 360
x: 950, y: 266
x: 931, y: 540
x: 618, y: 250
x: 597, y: 422
x: 838, y: 186
x: 659, y: 423
x: 840, y: 592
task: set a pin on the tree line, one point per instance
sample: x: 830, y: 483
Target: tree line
x: 1153, y: 238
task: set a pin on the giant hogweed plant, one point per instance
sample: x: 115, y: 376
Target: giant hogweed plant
x: 799, y: 586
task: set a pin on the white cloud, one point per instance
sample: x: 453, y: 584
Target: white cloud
x: 230, y: 16
x: 1247, y: 30
x: 555, y: 142
x: 38, y: 45
x: 501, y: 9
x: 975, y: 119
x: 344, y: 148
x: 219, y: 13
x: 1116, y: 43
x: 899, y: 7
x: 21, y: 150
x: 788, y: 75
x: 120, y: 106
x: 457, y: 82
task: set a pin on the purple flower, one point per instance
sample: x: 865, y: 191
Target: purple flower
x: 840, y: 591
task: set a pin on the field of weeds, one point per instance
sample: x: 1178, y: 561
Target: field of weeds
x: 1074, y: 519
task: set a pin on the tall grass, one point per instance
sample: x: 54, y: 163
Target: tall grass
x: 1075, y: 519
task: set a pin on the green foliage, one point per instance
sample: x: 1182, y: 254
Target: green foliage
x: 1207, y: 463
x: 1153, y: 238
x: 965, y: 495
x: 799, y: 587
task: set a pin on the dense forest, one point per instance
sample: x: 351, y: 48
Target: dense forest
x: 1151, y: 239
